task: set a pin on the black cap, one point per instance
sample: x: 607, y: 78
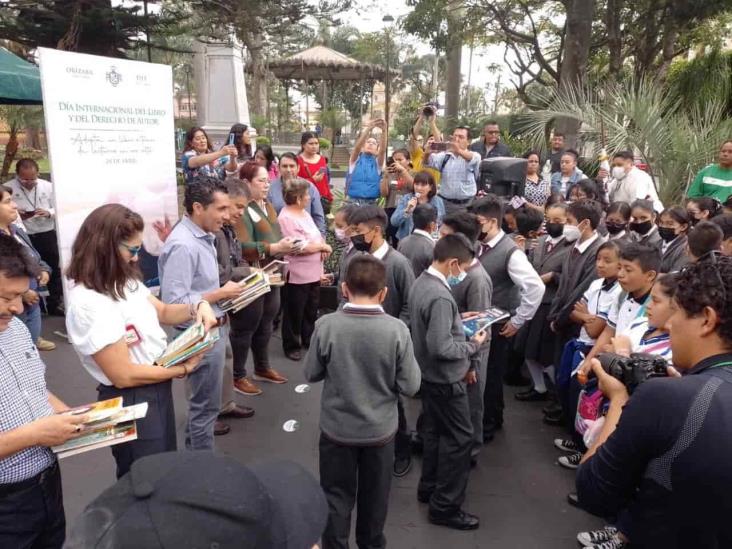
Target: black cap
x: 200, y: 500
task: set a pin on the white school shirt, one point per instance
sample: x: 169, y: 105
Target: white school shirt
x: 94, y: 321
x: 623, y: 314
x: 599, y: 300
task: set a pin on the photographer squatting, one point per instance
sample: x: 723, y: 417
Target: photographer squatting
x: 660, y: 466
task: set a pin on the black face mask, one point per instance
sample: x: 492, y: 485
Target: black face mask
x: 667, y: 234
x: 615, y: 228
x: 360, y: 244
x: 482, y: 235
x: 555, y: 230
x: 641, y: 227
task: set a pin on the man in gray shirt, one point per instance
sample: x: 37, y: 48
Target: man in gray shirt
x: 444, y: 357
x: 189, y: 273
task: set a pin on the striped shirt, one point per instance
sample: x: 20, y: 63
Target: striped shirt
x: 643, y: 341
x: 23, y: 399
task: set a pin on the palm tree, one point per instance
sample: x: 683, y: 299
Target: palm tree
x: 16, y: 118
x: 640, y: 116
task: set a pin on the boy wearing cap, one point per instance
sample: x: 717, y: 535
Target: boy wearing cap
x: 365, y: 358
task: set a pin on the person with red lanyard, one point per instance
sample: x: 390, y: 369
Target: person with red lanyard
x: 314, y: 168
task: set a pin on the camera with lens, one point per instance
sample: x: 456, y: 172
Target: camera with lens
x: 430, y: 109
x: 635, y: 369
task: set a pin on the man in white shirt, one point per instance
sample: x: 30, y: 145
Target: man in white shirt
x: 629, y: 183
x: 34, y: 198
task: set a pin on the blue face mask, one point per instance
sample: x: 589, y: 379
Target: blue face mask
x: 453, y: 280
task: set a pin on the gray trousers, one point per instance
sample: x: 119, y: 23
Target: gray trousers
x: 204, y: 401
x: 227, y: 382
x: 475, y: 401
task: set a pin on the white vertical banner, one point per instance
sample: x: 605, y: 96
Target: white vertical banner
x: 110, y: 133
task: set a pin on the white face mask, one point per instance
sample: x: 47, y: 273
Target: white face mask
x: 571, y: 233
x: 618, y: 172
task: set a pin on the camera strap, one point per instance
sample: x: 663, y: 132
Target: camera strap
x: 722, y: 371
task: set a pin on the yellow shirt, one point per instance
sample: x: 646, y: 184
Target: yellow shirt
x: 417, y: 158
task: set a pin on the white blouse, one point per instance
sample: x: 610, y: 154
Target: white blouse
x: 94, y: 321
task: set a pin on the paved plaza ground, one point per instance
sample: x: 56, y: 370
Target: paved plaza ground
x: 517, y: 489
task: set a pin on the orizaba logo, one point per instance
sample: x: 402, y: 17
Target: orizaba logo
x: 113, y: 77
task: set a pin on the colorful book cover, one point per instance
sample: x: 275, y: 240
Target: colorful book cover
x: 476, y: 323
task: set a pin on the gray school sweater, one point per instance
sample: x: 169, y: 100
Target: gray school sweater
x: 419, y: 250
x: 399, y: 280
x: 366, y: 359
x: 442, y: 352
x: 474, y: 294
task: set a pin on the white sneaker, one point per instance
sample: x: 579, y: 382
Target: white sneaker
x: 593, y: 537
x: 570, y: 461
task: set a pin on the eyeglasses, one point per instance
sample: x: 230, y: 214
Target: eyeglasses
x: 134, y: 250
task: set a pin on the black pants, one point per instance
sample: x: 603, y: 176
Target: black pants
x: 493, y: 396
x: 360, y: 475
x: 391, y: 230
x: 155, y: 432
x: 47, y: 245
x: 251, y: 328
x: 33, y: 518
x: 299, y: 313
x: 402, y: 439
x: 448, y: 440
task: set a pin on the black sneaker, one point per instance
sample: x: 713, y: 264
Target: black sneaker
x: 532, y: 395
x: 593, y: 537
x: 570, y: 461
x: 566, y: 445
x: 402, y: 466
x: 552, y: 409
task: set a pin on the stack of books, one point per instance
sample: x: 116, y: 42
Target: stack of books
x: 191, y: 342
x: 474, y: 324
x: 275, y: 271
x: 253, y: 287
x: 108, y: 423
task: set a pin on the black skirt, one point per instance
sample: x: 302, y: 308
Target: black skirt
x: 155, y: 432
x: 540, y: 340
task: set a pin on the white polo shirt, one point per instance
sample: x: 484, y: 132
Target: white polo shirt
x: 623, y: 313
x: 600, y: 297
x: 94, y: 321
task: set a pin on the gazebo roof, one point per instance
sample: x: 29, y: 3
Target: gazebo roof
x: 323, y: 63
x: 20, y: 81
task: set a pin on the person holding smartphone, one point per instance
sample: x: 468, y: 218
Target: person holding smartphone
x: 366, y: 163
x: 397, y: 182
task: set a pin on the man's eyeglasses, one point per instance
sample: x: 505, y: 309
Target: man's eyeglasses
x: 134, y: 250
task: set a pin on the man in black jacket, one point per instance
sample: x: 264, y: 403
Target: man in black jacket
x: 490, y: 146
x: 666, y: 464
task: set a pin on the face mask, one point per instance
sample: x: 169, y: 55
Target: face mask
x: 555, y: 230
x: 453, y: 280
x: 360, y: 244
x: 618, y: 173
x: 340, y: 235
x: 642, y: 227
x: 667, y: 234
x: 482, y: 236
x: 615, y: 228
x: 435, y: 235
x: 571, y: 233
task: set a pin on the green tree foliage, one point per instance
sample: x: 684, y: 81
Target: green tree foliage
x: 705, y: 79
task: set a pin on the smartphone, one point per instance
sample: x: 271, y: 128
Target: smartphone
x: 232, y: 138
x: 26, y: 215
x: 389, y: 162
x: 439, y: 146
x: 322, y: 170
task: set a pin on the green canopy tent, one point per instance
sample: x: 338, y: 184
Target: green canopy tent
x: 20, y: 81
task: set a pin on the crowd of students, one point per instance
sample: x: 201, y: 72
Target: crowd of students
x: 577, y: 273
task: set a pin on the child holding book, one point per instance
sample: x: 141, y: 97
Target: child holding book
x: 444, y: 356
x: 365, y: 358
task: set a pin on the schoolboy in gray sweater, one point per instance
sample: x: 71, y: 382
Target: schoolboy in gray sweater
x: 365, y: 357
x: 444, y: 356
x: 419, y: 246
x: 474, y: 294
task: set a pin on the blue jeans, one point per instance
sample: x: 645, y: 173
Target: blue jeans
x: 31, y: 317
x: 204, y: 403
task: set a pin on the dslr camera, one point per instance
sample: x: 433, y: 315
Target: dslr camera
x: 430, y: 109
x: 635, y: 369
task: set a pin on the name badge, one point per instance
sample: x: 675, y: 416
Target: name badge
x: 132, y: 336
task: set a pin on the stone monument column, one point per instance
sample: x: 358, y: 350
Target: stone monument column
x: 221, y: 90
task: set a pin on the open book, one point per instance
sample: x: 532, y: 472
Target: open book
x: 275, y: 271
x: 109, y: 423
x: 191, y: 342
x: 474, y: 324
